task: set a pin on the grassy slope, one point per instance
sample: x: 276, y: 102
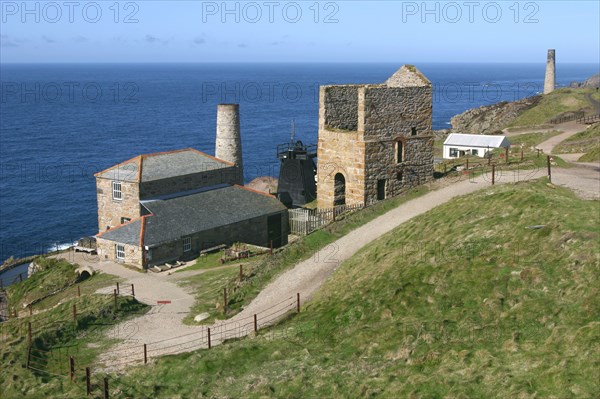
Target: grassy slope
x: 553, y: 104
x: 587, y: 142
x: 464, y: 301
x: 55, y: 335
x: 531, y: 140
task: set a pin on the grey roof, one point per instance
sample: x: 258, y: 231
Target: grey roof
x: 173, y: 217
x: 163, y: 165
x: 407, y: 76
x: 128, y: 233
x: 476, y: 140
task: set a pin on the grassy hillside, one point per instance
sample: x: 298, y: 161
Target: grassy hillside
x: 554, y: 104
x: 494, y: 294
x: 587, y: 142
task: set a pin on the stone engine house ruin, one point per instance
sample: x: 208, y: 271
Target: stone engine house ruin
x: 375, y: 139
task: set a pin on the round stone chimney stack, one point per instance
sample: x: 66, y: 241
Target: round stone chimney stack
x: 228, y: 144
x: 550, y: 80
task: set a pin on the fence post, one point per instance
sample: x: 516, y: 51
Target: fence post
x: 467, y: 163
x: 28, y: 355
x: 145, y: 354
x: 72, y: 368
x: 88, y: 382
x: 106, y: 395
x: 78, y: 292
x: 30, y: 310
x: 75, y: 314
x: 549, y: 169
x: 538, y: 152
x: 521, y: 154
x: 118, y: 290
x: 298, y: 302
x: 209, y: 345
x: 506, y: 154
x: 132, y: 291
x: 225, y: 300
x: 255, y: 323
x: 241, y: 273
x: 493, y: 174
x: 115, y: 293
x: 29, y: 334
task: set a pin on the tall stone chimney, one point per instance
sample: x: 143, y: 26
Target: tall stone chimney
x: 228, y: 144
x: 550, y: 80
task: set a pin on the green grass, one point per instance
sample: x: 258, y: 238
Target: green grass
x: 586, y: 142
x: 552, y: 105
x: 463, y: 301
x: 531, y: 140
x: 56, y: 335
x: 591, y: 156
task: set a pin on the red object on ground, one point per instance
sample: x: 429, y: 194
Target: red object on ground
x: 163, y: 302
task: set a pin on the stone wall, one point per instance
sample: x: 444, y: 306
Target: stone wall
x: 107, y: 251
x: 341, y: 106
x: 366, y: 152
x: 110, y: 211
x: 230, y: 175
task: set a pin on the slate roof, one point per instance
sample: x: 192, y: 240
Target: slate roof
x: 476, y: 140
x: 162, y: 165
x: 173, y: 217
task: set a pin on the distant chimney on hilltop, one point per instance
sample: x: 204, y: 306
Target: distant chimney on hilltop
x: 550, y: 80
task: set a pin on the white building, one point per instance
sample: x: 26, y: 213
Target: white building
x: 458, y: 144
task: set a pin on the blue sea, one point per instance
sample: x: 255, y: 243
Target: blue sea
x: 61, y: 123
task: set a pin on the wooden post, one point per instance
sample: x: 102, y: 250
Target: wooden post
x: 72, y: 368
x: 1, y: 284
x: 115, y: 292
x: 118, y: 291
x: 538, y: 152
x: 467, y: 163
x: 521, y: 154
x: 549, y: 169
x: 28, y: 355
x: 29, y: 334
x: 75, y: 314
x: 224, y: 300
x: 30, y: 310
x: 145, y: 354
x: 241, y: 273
x: 209, y: 345
x: 255, y: 323
x: 78, y: 292
x: 298, y: 302
x: 132, y: 291
x: 88, y: 382
x: 334, y: 213
x: 506, y: 154
x: 106, y: 395
x: 493, y: 174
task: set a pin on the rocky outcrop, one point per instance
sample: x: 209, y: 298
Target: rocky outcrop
x: 490, y: 119
x: 594, y: 81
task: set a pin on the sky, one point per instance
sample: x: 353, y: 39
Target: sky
x: 298, y: 31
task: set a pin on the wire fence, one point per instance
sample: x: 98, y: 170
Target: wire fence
x: 61, y: 361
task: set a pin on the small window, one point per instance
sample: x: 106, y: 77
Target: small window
x: 413, y: 131
x: 475, y: 152
x: 116, y: 189
x: 187, y: 244
x: 125, y: 220
x: 453, y: 152
x: 399, y: 176
x: 120, y: 251
x: 399, y: 151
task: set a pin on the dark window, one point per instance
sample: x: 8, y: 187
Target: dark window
x: 399, y: 176
x: 339, y: 189
x: 453, y: 152
x: 475, y: 152
x: 399, y: 151
x: 381, y: 189
x: 413, y: 131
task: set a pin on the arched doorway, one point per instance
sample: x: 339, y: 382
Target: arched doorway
x: 339, y: 190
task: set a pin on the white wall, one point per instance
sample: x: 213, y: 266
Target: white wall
x: 468, y: 150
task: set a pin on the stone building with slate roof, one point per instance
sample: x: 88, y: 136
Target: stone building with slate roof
x: 375, y: 140
x: 163, y: 207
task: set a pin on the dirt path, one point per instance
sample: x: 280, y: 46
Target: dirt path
x: 164, y: 323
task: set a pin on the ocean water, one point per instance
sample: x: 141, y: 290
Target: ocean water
x: 61, y: 123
